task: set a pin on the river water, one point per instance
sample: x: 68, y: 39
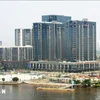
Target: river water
x: 28, y: 92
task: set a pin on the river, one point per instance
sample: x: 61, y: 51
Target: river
x: 28, y: 92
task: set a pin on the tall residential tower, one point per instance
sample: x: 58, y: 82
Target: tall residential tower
x: 60, y: 38
x: 23, y: 37
x: 47, y: 40
x: 81, y: 40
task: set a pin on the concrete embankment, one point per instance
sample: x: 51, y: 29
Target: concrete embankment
x: 42, y: 84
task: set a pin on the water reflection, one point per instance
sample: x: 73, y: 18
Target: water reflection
x: 28, y: 92
x: 72, y: 96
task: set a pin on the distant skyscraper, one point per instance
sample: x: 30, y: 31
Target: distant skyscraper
x: 23, y: 37
x: 81, y: 40
x: 0, y: 43
x: 58, y: 18
x: 47, y: 40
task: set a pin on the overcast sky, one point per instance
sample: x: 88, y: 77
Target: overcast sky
x: 21, y: 14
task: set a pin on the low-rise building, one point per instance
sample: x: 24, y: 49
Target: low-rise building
x: 65, y: 66
x: 15, y: 56
x: 16, y: 53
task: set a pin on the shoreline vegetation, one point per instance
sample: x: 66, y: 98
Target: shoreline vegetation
x: 38, y: 83
x: 58, y: 80
x: 85, y: 84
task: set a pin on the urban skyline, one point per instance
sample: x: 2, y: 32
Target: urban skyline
x: 58, y: 37
x: 61, y: 38
x: 50, y: 50
x: 22, y: 14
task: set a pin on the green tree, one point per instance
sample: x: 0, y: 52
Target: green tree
x: 77, y: 81
x: 15, y: 79
x: 3, y: 79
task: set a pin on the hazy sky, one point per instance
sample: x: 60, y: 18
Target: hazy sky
x: 21, y: 14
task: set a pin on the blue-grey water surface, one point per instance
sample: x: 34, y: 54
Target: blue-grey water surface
x: 28, y: 92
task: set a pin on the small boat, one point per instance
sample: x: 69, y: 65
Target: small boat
x: 56, y: 89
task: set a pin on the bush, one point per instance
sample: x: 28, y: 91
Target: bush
x: 86, y: 83
x: 15, y: 79
x: 98, y: 82
x: 77, y: 81
x: 3, y: 79
x: 97, y: 85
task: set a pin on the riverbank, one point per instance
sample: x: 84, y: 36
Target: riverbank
x: 10, y: 83
x: 50, y: 79
x: 29, y: 92
x: 47, y: 84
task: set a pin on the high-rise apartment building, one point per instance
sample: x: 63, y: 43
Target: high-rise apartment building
x: 69, y: 40
x: 23, y: 37
x: 63, y: 19
x: 47, y: 40
x: 58, y: 18
x: 81, y: 40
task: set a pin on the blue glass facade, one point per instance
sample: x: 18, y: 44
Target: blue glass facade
x: 47, y: 41
x: 81, y: 37
x: 64, y: 20
x: 60, y: 38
